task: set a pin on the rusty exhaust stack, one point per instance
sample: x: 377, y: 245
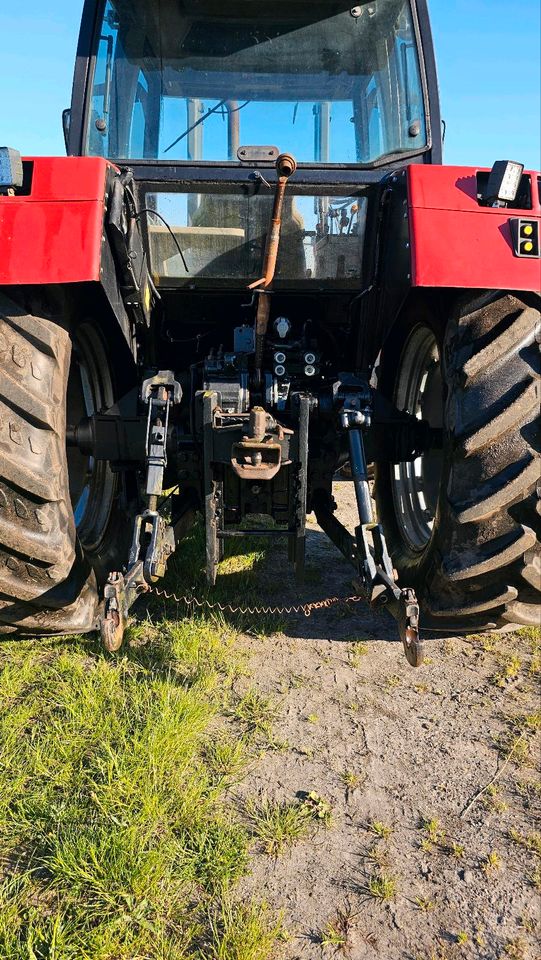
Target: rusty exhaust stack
x: 286, y: 166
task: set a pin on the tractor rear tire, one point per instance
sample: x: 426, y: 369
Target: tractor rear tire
x: 462, y: 525
x: 63, y: 520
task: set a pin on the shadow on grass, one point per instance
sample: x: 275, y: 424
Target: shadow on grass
x: 256, y: 573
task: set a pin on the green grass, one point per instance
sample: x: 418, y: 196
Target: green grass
x: 115, y: 835
x: 239, y: 584
x: 278, y: 825
x: 255, y: 712
x: 242, y: 932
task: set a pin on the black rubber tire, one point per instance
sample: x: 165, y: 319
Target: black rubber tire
x: 48, y: 580
x: 482, y: 566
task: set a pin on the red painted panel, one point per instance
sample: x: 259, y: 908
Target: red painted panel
x: 457, y: 243
x: 54, y: 235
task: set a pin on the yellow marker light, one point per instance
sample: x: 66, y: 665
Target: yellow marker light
x: 525, y: 234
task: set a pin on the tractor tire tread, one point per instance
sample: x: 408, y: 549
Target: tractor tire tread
x: 481, y: 568
x: 493, y: 540
x: 45, y: 584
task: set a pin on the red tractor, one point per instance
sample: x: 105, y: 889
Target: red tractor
x: 250, y: 269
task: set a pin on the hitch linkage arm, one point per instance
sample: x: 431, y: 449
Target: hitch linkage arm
x: 153, y: 539
x: 376, y: 576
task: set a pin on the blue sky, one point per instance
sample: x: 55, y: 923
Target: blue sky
x: 488, y: 55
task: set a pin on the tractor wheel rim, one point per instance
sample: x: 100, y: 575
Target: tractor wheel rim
x: 416, y: 484
x: 92, y: 484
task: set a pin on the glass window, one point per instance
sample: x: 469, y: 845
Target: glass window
x: 222, y: 236
x: 185, y: 80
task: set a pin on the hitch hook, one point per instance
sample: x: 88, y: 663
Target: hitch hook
x: 408, y: 627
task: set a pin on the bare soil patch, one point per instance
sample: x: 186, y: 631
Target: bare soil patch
x: 398, y: 754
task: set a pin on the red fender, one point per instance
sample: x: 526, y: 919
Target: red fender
x: 457, y: 243
x: 55, y: 234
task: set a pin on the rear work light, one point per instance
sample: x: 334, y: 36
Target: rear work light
x: 11, y: 170
x: 503, y: 183
x: 525, y: 237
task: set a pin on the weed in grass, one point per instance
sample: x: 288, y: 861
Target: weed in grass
x: 440, y: 952
x: 510, y: 670
x: 255, y: 712
x: 516, y: 949
x: 313, y: 718
x: 350, y: 780
x: 378, y: 854
x: 528, y: 722
x: 531, y: 841
x: 435, y: 837
x: 276, y: 745
x: 517, y: 740
x: 533, y: 634
x: 318, y: 808
x: 492, y: 800
x: 528, y: 923
x: 529, y: 791
x: 462, y: 937
x: 534, y: 877
x: 331, y: 937
x: 479, y: 939
x: 216, y: 855
x: 489, y: 641
x: 431, y: 827
x: 393, y: 681
x: 515, y: 747
x: 278, y: 825
x: 535, y: 660
x: 337, y: 932
x: 357, y: 652
x: 380, y: 829
x: 382, y: 886
x: 492, y: 863
x: 426, y: 906
x: 456, y: 849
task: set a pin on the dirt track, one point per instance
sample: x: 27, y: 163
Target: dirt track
x: 419, y: 744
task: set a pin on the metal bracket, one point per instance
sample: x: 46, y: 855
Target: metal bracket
x: 160, y: 544
x: 159, y: 393
x: 119, y: 594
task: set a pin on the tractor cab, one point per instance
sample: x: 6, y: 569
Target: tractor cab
x: 199, y: 98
